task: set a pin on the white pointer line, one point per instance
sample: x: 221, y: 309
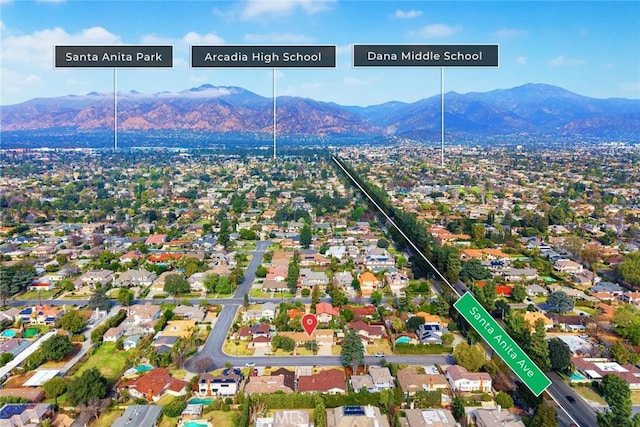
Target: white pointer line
x: 423, y: 256
x: 397, y: 228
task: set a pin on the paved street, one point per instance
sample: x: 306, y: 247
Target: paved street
x: 580, y: 411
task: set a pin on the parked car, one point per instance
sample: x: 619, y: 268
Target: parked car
x: 380, y: 354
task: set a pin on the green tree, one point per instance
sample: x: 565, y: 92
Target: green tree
x: 72, y: 322
x: 261, y: 272
x: 545, y: 416
x: 504, y: 400
x: 91, y: 384
x: 55, y: 387
x: 622, y: 354
x: 458, y: 408
x: 211, y: 282
x: 470, y: 356
x: 474, y: 270
x: 285, y: 343
x: 15, y: 279
x: 56, y: 347
x: 352, y: 350
x: 616, y: 392
x: 125, y: 297
x: 627, y: 321
x: 629, y: 268
x: 175, y: 407
x: 99, y: 300
x: 519, y: 293
x: 315, y: 296
x: 6, y: 358
x: 305, y: 236
x: 560, y: 302
x: 175, y: 284
x: 539, y: 348
x: 559, y: 355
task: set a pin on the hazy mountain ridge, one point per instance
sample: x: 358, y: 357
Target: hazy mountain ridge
x: 529, y: 109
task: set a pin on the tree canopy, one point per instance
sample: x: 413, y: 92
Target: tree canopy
x: 352, y: 350
x: 72, y: 322
x: 560, y: 302
x: 469, y: 356
x: 91, y: 384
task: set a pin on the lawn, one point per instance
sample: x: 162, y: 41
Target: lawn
x: 379, y: 346
x: 107, y: 359
x: 37, y: 295
x: 336, y: 350
x: 590, y: 394
x: 220, y: 418
x: 242, y: 350
x: 108, y: 418
x: 635, y: 398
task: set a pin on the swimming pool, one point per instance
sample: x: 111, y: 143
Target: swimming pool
x: 403, y: 340
x: 197, y: 401
x: 196, y: 424
x: 8, y: 333
x: 577, y: 376
x: 144, y: 368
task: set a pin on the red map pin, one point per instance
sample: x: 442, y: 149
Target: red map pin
x: 309, y: 323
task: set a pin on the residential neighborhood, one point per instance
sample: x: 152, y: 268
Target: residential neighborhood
x: 185, y: 286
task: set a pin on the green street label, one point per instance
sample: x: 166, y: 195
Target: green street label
x: 502, y: 344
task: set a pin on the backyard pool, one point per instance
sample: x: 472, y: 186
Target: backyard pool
x: 197, y: 401
x: 403, y: 340
x: 143, y: 368
x: 8, y: 333
x: 198, y: 423
x: 577, y: 376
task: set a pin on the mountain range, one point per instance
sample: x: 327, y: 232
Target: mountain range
x: 528, y: 110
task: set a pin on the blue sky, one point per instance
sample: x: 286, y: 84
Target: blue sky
x: 591, y: 48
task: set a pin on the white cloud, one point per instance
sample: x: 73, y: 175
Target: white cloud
x: 255, y: 8
x: 563, y: 61
x: 37, y: 48
x: 407, y: 14
x: 439, y: 30
x: 13, y: 82
x: 508, y: 33
x: 277, y: 38
x: 632, y: 87
x: 521, y: 60
x: 196, y: 38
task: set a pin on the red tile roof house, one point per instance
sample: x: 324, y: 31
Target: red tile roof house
x: 368, y: 332
x: 332, y: 381
x: 325, y: 312
x: 154, y: 385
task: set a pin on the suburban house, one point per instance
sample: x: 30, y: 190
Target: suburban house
x: 396, y: 282
x: 267, y: 311
x: 368, y: 332
x: 567, y: 266
x: 342, y: 280
x: 531, y: 317
x: 462, y: 380
x: 332, y: 381
x: 496, y: 418
x: 427, y: 418
x: 131, y: 278
x: 343, y: 416
x: 154, y: 385
x: 369, y: 283
x: 431, y: 333
x: 411, y: 381
x: 325, y: 312
x: 113, y: 334
x: 190, y: 312
x: 596, y: 369
x: 266, y: 384
x: 226, y: 384
x: 95, y: 278
x: 310, y: 278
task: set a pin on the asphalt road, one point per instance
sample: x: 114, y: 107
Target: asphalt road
x: 580, y: 411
